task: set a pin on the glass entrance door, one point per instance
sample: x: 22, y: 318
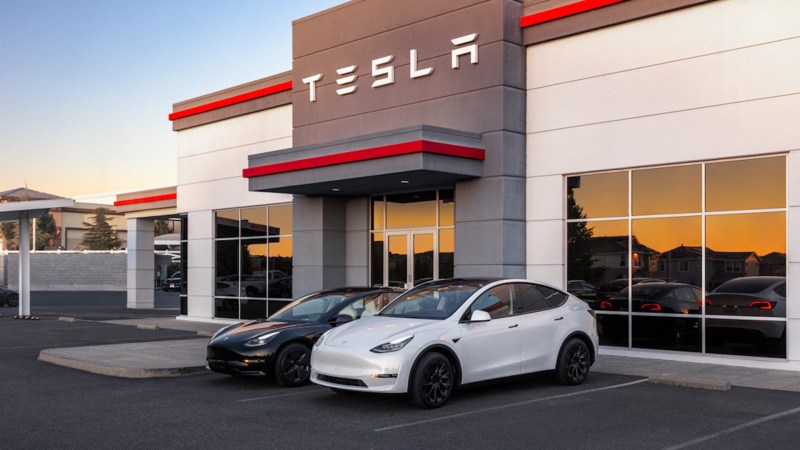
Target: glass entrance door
x: 410, y: 258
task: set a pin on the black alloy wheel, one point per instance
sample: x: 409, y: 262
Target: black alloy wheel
x: 293, y: 365
x: 573, y: 362
x: 432, y: 382
x: 12, y: 300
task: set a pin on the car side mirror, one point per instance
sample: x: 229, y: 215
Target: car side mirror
x: 342, y: 319
x: 480, y: 316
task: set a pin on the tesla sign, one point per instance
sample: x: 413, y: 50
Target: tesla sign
x: 383, y: 70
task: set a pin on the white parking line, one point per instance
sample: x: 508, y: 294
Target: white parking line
x: 310, y: 391
x: 735, y: 429
x: 510, y: 405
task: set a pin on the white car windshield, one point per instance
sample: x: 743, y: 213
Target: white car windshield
x: 432, y: 301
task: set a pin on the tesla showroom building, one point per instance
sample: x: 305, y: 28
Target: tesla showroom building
x: 644, y: 155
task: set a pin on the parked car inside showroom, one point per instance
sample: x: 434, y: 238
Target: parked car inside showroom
x: 280, y: 345
x: 446, y: 333
x: 9, y: 297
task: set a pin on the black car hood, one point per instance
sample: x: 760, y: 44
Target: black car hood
x: 249, y: 330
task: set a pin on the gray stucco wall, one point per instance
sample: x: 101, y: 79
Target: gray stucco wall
x: 69, y: 271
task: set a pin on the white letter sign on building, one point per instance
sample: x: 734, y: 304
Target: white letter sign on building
x: 383, y: 72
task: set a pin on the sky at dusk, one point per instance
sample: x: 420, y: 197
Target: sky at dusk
x: 87, y: 85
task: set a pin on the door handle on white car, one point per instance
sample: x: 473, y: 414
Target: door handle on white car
x: 560, y: 318
x: 514, y: 326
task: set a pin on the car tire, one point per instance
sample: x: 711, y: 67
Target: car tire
x: 573, y: 362
x: 12, y: 300
x: 293, y: 365
x: 432, y: 381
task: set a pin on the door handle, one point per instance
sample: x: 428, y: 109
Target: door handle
x: 514, y: 326
x: 560, y: 318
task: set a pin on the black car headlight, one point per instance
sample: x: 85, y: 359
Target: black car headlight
x: 393, y: 346
x: 259, y: 341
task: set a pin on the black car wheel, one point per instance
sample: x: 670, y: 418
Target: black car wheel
x: 12, y: 300
x: 292, y: 366
x: 573, y: 362
x: 432, y: 381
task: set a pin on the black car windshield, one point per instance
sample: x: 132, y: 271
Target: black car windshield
x: 434, y: 301
x: 313, y: 308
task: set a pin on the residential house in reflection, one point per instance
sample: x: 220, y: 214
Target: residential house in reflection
x: 611, y: 253
x: 683, y: 264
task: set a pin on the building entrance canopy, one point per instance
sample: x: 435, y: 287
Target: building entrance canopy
x: 413, y: 158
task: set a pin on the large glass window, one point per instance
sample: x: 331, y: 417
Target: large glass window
x: 253, y: 261
x: 691, y: 258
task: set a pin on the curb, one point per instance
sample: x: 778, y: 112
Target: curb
x: 695, y: 383
x: 120, y: 372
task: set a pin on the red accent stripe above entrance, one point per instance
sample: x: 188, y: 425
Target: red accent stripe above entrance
x: 404, y: 148
x: 154, y: 198
x: 564, y: 11
x: 269, y: 90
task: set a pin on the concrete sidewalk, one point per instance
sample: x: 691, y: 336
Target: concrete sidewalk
x: 185, y: 357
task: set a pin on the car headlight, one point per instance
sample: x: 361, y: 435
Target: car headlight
x: 261, y: 340
x: 320, y: 339
x: 393, y: 346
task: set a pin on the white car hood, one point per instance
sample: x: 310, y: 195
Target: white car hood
x: 375, y: 330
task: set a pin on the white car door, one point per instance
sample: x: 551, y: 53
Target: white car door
x: 543, y: 323
x: 491, y: 349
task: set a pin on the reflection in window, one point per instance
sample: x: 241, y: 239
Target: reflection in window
x: 595, y: 196
x: 446, y: 253
x: 447, y: 208
x: 411, y: 210
x: 667, y: 190
x: 746, y: 184
x: 736, y: 282
x: 251, y: 267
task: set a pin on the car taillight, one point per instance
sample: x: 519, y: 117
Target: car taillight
x: 651, y: 307
x: 761, y: 304
x: 605, y: 304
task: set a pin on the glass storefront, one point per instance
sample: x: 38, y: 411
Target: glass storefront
x: 689, y: 257
x: 253, y: 261
x: 412, y: 238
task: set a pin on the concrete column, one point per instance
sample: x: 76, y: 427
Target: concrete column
x: 319, y: 244
x: 357, y: 258
x: 24, y: 264
x: 141, y: 264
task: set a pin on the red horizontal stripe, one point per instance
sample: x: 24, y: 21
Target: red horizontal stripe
x: 564, y: 11
x: 404, y: 148
x: 269, y: 90
x: 154, y: 198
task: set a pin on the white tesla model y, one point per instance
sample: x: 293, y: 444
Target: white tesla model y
x: 446, y: 333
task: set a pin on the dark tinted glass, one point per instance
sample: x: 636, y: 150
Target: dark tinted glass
x: 669, y: 249
x: 447, y: 208
x: 253, y: 222
x: 530, y: 299
x: 253, y: 309
x: 227, y: 260
x: 597, y: 251
x: 376, y: 259
x: 496, y: 301
x: 226, y: 308
x: 746, y: 337
x: 667, y: 333
x: 446, y: 253
x: 613, y: 329
x: 594, y: 196
x: 227, y: 223
x: 184, y: 227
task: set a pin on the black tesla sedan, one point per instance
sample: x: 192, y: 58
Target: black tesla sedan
x: 280, y: 345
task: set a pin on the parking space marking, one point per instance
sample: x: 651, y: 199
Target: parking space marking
x: 753, y: 423
x: 310, y: 391
x: 510, y: 405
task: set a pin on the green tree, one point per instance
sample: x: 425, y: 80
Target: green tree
x: 161, y: 227
x: 45, y: 229
x: 9, y: 232
x: 579, y: 238
x: 100, y: 235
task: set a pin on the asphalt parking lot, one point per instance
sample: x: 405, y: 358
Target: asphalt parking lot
x: 47, y: 405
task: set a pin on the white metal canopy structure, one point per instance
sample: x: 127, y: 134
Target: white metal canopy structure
x: 22, y: 212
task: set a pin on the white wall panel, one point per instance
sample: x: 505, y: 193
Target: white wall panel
x: 550, y: 274
x: 545, y: 198
x: 224, y: 194
x: 749, y: 128
x: 235, y: 132
x: 226, y: 163
x: 701, y: 30
x: 201, y: 225
x: 762, y: 71
x: 545, y: 242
